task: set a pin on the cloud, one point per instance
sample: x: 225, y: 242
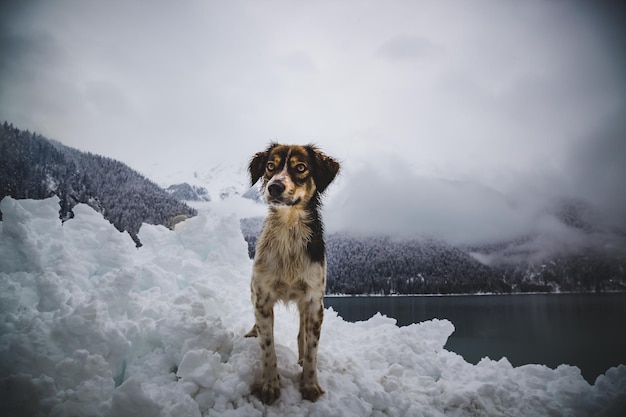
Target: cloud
x: 388, y: 198
x: 512, y: 99
x: 597, y: 168
x: 407, y: 48
x: 299, y: 61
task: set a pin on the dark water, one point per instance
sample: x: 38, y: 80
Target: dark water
x: 585, y: 330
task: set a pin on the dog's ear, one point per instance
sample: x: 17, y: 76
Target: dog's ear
x: 257, y: 163
x: 326, y: 168
x: 257, y: 166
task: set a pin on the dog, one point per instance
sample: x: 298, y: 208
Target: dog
x: 290, y: 264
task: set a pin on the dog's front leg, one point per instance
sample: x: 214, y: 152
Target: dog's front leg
x: 268, y: 390
x: 311, y: 317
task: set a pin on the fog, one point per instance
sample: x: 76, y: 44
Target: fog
x: 390, y: 199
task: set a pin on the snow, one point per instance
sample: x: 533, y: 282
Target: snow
x: 92, y: 326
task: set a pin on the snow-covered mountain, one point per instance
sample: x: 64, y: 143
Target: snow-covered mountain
x: 567, y: 245
x: 186, y: 192
x: 221, y: 181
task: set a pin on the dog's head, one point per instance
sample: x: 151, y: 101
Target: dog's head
x: 292, y: 174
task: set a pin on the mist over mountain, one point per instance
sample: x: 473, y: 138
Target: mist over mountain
x: 438, y: 237
x: 32, y: 166
x: 582, y: 257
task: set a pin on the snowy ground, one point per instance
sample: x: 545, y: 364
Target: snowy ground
x: 92, y: 326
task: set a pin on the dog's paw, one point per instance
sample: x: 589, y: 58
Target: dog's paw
x: 311, y: 392
x: 267, y: 392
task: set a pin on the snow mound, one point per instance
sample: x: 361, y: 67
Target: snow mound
x: 92, y: 326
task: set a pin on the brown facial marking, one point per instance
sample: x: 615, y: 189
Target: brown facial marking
x: 297, y: 165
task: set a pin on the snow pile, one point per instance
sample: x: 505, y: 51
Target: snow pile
x: 92, y: 326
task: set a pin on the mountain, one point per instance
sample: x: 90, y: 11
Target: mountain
x: 359, y: 264
x: 210, y: 183
x: 580, y: 251
x: 187, y: 192
x: 32, y: 166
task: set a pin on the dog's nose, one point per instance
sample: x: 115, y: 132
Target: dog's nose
x: 276, y: 188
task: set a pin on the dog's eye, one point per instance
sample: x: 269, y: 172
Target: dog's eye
x: 300, y: 168
x: 270, y: 166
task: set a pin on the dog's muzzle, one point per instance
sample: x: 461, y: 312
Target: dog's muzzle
x: 276, y: 197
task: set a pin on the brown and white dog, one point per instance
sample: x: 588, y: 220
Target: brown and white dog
x: 290, y: 263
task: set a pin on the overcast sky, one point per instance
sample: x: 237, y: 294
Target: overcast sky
x: 521, y: 99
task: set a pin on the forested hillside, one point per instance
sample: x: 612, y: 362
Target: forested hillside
x: 384, y: 265
x: 32, y: 166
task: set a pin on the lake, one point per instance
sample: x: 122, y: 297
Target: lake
x: 585, y: 330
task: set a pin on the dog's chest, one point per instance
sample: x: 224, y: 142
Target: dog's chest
x: 281, y: 256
